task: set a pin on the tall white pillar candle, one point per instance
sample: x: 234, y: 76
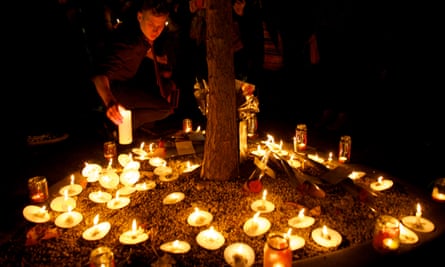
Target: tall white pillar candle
x: 125, y: 129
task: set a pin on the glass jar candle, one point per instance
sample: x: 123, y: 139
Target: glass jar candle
x: 187, y: 125
x: 438, y: 193
x: 277, y: 251
x: 102, y: 257
x: 386, y: 234
x: 38, y: 189
x: 300, y: 141
x: 344, y: 149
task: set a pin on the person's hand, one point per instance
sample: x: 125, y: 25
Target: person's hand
x: 113, y: 113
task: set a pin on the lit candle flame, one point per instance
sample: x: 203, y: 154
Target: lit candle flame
x: 264, y: 194
x: 142, y: 146
x: 65, y: 194
x: 72, y: 179
x: 418, y: 211
x: 96, y: 219
x: 380, y: 179
x: 301, y: 213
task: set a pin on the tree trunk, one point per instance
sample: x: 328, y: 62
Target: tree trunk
x: 221, y: 149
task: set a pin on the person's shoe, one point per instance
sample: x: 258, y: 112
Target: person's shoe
x: 47, y: 138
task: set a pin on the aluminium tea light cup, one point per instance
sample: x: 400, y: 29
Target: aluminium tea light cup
x: 417, y: 222
x: 133, y: 236
x: 36, y: 214
x: 210, y: 239
x: 176, y: 247
x: 381, y: 184
x: 100, y: 196
x: 326, y: 237
x: 301, y: 220
x: 118, y: 202
x: 199, y: 218
x: 68, y: 219
x: 256, y: 225
x: 143, y: 186
x: 173, y: 198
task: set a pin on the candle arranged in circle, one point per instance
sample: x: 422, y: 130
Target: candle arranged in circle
x: 199, y: 217
x: 72, y: 189
x: 68, y: 219
x: 176, y: 247
x: 417, y: 222
x: 173, y: 198
x: 99, y: 196
x: 109, y: 179
x: 263, y: 205
x: 133, y: 236
x: 295, y: 241
x: 91, y: 172
x: 407, y: 236
x: 98, y: 230
x: 326, y: 237
x: 256, y: 225
x: 36, y: 214
x: 61, y: 203
x: 145, y: 185
x: 210, y: 239
x: 118, y: 202
x: 381, y: 184
x: 301, y: 220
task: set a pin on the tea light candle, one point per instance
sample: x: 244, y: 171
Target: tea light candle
x: 126, y: 190
x: 109, y: 179
x: 407, y: 236
x: 355, y: 175
x: 72, y: 189
x: 91, y: 172
x: 173, y: 198
x: 263, y: 205
x: 259, y: 152
x: 36, y: 214
x: 132, y: 165
x: 316, y: 158
x: 381, y: 184
x: 157, y: 162
x: 210, y: 239
x: 68, y: 219
x: 199, y: 217
x: 239, y: 254
x: 134, y: 236
x: 61, y: 203
x: 295, y: 241
x: 142, y: 154
x: 256, y: 225
x: 118, y: 202
x: 99, y: 196
x: 418, y: 223
x: 293, y: 162
x: 124, y: 159
x: 190, y: 167
x: 97, y: 231
x: 301, y: 220
x: 326, y: 237
x: 129, y: 177
x: 176, y: 247
x: 145, y: 185
x: 163, y: 171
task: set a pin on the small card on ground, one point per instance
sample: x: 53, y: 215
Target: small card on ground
x: 185, y: 147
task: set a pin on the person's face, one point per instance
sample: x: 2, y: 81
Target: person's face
x: 151, y: 25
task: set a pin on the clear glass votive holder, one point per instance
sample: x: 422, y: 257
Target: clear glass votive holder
x: 38, y: 189
x: 438, y: 193
x: 344, y: 149
x: 386, y: 234
x: 102, y: 257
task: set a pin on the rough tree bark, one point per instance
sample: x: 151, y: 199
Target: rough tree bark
x: 221, y: 149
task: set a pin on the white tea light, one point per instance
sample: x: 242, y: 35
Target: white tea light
x: 210, y: 239
x: 176, y: 247
x: 326, y: 237
x: 36, y: 214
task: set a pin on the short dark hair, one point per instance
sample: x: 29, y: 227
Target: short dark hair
x: 157, y: 7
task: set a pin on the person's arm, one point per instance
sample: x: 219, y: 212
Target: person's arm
x: 102, y: 85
